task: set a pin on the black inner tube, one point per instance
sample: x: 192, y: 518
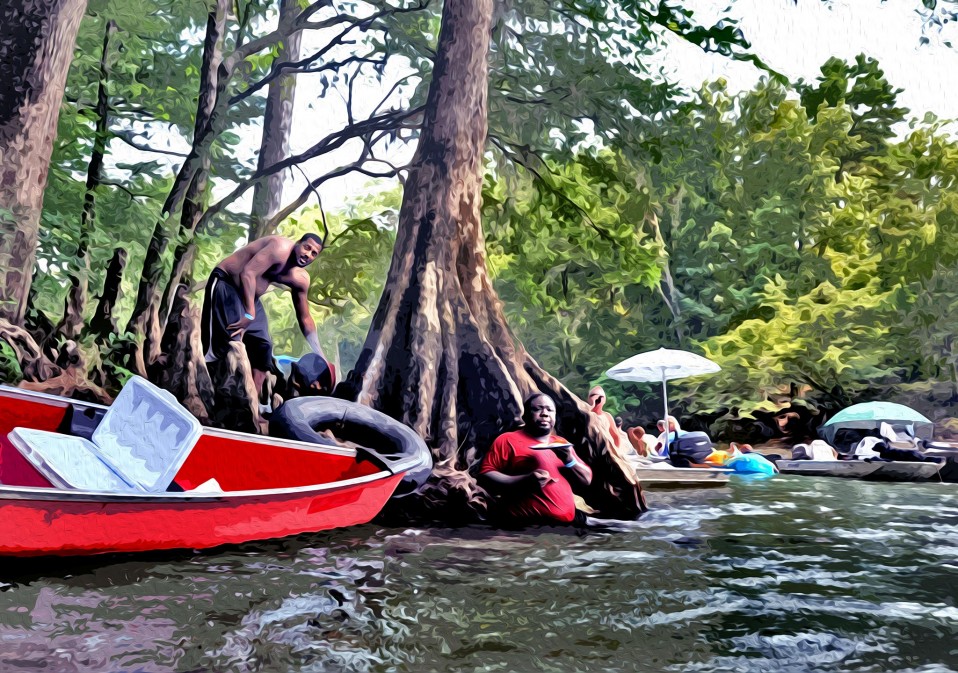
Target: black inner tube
x: 384, y: 440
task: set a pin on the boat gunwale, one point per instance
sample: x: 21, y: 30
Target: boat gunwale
x: 11, y: 493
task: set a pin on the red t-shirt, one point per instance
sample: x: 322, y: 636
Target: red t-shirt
x: 511, y: 455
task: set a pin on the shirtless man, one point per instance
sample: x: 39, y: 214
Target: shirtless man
x: 231, y: 307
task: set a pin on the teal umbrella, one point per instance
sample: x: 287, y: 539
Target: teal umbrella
x: 870, y: 416
x: 878, y: 411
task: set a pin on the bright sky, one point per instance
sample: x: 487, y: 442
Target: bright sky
x: 796, y: 38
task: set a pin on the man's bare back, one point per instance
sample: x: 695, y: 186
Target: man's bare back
x: 273, y: 264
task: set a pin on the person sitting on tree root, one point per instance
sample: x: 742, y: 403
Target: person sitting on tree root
x: 232, y: 310
x: 620, y: 441
x: 596, y: 400
x: 534, y: 483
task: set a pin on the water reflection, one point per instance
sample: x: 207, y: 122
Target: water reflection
x: 789, y: 574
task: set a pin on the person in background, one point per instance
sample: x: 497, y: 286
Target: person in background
x: 641, y: 441
x: 719, y: 457
x: 596, y: 400
x: 535, y: 484
x: 312, y: 375
x: 675, y: 431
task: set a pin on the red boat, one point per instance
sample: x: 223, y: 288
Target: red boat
x: 265, y: 487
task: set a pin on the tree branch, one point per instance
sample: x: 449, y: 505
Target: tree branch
x: 242, y: 20
x: 389, y: 93
x: 357, y: 166
x: 302, y: 66
x: 363, y: 129
x: 132, y: 195
x: 283, y: 30
x: 302, y: 23
x: 128, y: 139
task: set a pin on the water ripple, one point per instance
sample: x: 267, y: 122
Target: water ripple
x: 789, y: 574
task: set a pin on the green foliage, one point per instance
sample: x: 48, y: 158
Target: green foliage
x: 795, y: 234
x: 10, y: 372
x: 571, y: 257
x: 805, y: 250
x: 151, y: 94
x: 870, y: 99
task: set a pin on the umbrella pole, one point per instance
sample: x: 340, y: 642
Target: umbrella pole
x: 665, y: 405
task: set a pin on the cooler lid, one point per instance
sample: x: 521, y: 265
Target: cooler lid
x: 146, y: 435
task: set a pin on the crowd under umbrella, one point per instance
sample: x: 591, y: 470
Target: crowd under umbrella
x: 870, y: 416
x: 663, y: 364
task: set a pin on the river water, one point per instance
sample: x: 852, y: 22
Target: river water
x: 786, y: 574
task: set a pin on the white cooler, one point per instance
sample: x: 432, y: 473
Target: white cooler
x: 140, y: 445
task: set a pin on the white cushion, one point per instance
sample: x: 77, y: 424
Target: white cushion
x: 139, y: 445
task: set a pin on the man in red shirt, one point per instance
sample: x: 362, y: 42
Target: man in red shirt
x: 534, y: 483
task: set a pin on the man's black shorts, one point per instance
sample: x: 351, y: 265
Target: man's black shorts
x: 223, y: 306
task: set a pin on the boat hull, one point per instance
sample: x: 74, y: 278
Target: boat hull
x: 41, y: 522
x: 232, y: 488
x: 845, y: 469
x: 855, y: 469
x: 949, y: 471
x: 905, y: 471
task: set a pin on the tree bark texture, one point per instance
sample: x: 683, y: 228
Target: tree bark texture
x: 439, y: 355
x: 36, y: 46
x: 34, y: 364
x: 235, y: 401
x: 212, y: 86
x: 76, y: 301
x: 104, y: 319
x: 277, y: 121
x: 182, y: 368
x: 146, y: 322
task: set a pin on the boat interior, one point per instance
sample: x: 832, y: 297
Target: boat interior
x: 236, y: 461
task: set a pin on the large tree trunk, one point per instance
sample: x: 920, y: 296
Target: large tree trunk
x: 76, y: 301
x: 235, y: 399
x: 185, y: 252
x: 36, y: 45
x: 439, y: 355
x: 277, y: 121
x: 146, y: 321
x: 34, y: 364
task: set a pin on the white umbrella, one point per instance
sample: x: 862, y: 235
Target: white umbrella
x: 662, y: 365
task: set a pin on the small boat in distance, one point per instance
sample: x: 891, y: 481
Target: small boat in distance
x: 229, y: 487
x: 901, y: 470
x: 893, y: 470
x: 849, y: 440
